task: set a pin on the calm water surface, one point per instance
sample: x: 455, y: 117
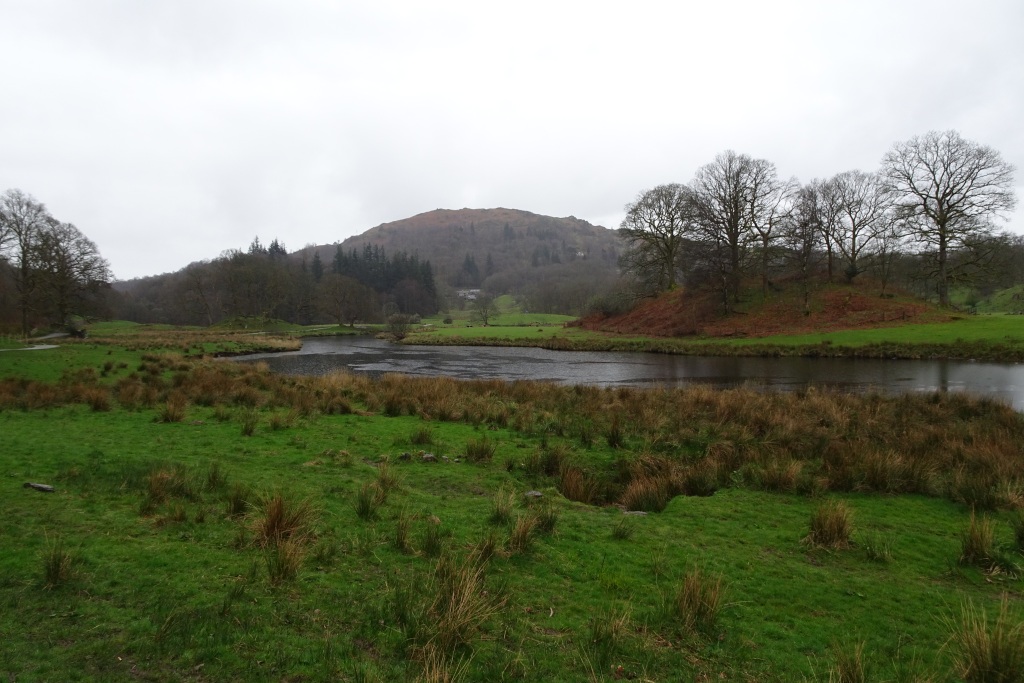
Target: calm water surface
x: 323, y: 355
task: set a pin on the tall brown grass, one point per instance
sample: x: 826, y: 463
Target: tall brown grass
x: 831, y: 525
x: 968, y: 449
x: 987, y: 649
x: 280, y: 518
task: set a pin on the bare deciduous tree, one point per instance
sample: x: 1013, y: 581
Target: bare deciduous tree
x: 655, y: 227
x: 862, y: 206
x: 22, y: 219
x: 769, y: 202
x: 69, y: 267
x: 950, y: 189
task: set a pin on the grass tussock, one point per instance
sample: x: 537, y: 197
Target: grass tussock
x: 698, y: 601
x: 646, y: 494
x: 987, y: 649
x: 831, y: 525
x: 978, y: 542
x: 521, y: 538
x: 369, y: 499
x: 848, y: 665
x: 607, y: 631
x: 503, y: 505
x: 279, y: 519
x: 284, y: 559
x: 58, y: 564
x: 480, y: 450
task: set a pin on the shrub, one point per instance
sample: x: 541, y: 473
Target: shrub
x: 831, y: 525
x: 988, y: 650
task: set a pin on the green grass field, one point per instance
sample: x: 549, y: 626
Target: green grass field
x: 153, y: 559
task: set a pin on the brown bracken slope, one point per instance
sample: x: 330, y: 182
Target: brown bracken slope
x: 833, y: 307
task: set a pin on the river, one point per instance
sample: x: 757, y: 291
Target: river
x: 323, y: 355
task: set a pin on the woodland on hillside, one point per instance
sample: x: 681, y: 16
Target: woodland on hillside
x: 413, y: 267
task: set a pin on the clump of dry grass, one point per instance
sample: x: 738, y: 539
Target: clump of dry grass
x: 978, y: 542
x: 369, y: 499
x: 646, y: 494
x: 521, y: 537
x: 578, y: 485
x: 987, y: 650
x: 175, y: 408
x: 831, y: 525
x: 58, y: 564
x: 699, y: 600
x: 848, y: 664
x: 284, y: 559
x: 280, y: 519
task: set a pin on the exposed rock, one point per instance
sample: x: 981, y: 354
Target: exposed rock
x: 428, y: 457
x: 533, y: 494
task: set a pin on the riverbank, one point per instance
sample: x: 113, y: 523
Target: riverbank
x: 995, y: 338
x: 224, y: 520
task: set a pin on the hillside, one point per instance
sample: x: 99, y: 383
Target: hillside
x: 832, y: 307
x: 554, y: 263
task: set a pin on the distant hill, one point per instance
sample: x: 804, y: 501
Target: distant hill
x: 555, y: 264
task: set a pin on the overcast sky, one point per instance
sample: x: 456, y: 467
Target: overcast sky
x: 169, y: 131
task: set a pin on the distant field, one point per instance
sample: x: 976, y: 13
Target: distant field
x: 992, y: 328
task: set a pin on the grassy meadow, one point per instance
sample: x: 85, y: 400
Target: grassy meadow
x: 214, y: 521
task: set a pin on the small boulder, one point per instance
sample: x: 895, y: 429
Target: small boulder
x: 428, y: 457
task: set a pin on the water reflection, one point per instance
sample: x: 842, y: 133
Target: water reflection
x: 324, y: 355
